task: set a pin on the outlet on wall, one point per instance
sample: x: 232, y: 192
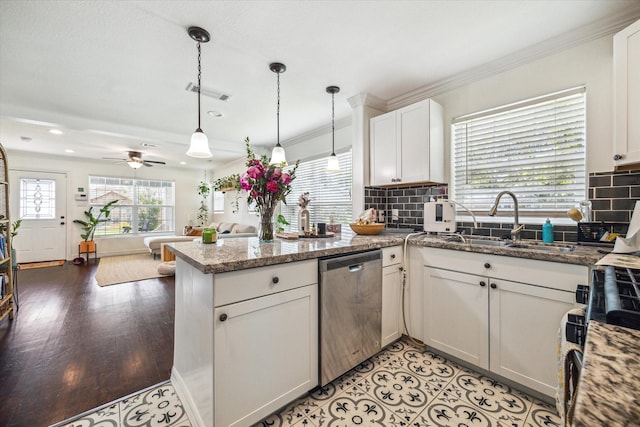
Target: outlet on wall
x: 394, y: 214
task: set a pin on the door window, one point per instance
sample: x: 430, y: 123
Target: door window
x: 37, y: 198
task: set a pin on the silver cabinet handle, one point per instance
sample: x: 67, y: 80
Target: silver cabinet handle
x: 355, y: 268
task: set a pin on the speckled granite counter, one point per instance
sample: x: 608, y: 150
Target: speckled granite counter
x: 241, y: 253
x: 610, y: 380
x: 247, y: 252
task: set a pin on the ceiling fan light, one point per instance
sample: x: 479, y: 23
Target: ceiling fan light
x: 333, y: 165
x: 277, y: 156
x: 199, y: 145
x: 134, y: 164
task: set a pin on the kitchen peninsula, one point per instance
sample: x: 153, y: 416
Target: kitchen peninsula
x: 246, y: 323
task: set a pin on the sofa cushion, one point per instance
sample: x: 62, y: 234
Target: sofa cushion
x: 243, y: 228
x: 226, y: 226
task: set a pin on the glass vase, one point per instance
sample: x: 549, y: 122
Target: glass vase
x: 267, y: 228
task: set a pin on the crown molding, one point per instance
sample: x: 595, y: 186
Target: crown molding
x: 581, y: 35
x: 319, y: 131
x: 367, y: 100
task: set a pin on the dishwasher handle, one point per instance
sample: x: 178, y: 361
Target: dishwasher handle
x: 355, y: 268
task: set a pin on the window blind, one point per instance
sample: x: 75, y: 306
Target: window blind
x: 535, y: 149
x: 330, y: 192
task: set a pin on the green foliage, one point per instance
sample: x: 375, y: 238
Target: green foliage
x: 92, y: 221
x: 281, y: 221
x: 227, y: 182
x: 149, y: 213
x: 14, y: 227
x: 204, y: 189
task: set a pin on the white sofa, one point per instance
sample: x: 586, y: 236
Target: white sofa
x: 224, y: 229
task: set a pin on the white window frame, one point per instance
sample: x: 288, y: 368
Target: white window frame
x: 510, y: 127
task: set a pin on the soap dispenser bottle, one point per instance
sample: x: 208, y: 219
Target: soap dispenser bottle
x: 547, y: 232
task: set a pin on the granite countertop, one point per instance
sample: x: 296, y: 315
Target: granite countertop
x: 610, y: 379
x: 241, y: 253
x: 247, y: 252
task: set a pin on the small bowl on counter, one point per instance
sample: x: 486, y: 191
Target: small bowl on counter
x: 367, y: 229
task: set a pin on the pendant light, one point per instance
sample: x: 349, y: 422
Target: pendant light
x: 333, y: 165
x: 199, y: 142
x: 277, y: 155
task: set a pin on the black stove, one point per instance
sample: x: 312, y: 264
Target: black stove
x: 612, y: 297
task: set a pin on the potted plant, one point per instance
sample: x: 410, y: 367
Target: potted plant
x: 91, y: 223
x: 203, y: 211
x: 230, y: 183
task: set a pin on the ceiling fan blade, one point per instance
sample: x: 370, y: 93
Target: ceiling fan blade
x: 155, y: 161
x: 145, y: 163
x: 113, y: 158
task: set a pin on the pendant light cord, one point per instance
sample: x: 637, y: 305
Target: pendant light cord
x: 333, y: 126
x: 278, y: 112
x: 199, y: 85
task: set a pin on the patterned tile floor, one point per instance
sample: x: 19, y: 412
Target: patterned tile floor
x: 401, y: 386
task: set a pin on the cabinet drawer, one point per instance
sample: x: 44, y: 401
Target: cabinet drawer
x: 256, y: 282
x: 391, y: 256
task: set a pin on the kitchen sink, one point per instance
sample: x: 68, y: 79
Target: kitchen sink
x: 541, y: 247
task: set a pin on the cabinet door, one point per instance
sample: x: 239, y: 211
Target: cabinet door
x: 456, y: 314
x: 265, y: 354
x: 626, y: 64
x: 391, y: 304
x: 383, y: 149
x: 524, y: 326
x: 413, y: 137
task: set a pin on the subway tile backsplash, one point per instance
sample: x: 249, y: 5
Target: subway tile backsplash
x: 612, y: 194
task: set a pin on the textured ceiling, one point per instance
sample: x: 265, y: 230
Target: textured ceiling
x: 112, y: 74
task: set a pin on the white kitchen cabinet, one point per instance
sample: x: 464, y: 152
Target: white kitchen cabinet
x: 456, y: 312
x: 265, y: 354
x: 626, y: 69
x: 501, y: 313
x: 391, y: 294
x: 246, y: 341
x: 407, y: 145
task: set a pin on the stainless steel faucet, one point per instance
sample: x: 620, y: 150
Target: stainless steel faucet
x: 517, y: 228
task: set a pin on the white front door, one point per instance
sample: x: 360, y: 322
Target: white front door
x: 39, y: 200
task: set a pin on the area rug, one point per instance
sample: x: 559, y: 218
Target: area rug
x: 127, y: 268
x: 30, y: 265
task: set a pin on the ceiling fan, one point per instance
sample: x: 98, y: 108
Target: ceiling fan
x: 135, y: 160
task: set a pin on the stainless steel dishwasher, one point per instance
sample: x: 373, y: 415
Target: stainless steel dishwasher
x: 350, y: 311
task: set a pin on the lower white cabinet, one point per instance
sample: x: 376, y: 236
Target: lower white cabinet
x: 391, y: 294
x: 246, y: 342
x: 265, y: 354
x: 456, y: 313
x: 504, y: 318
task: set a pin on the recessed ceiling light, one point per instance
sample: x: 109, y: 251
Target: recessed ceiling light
x: 146, y: 144
x: 183, y: 163
x: 68, y: 150
x: 56, y: 131
x: 216, y: 114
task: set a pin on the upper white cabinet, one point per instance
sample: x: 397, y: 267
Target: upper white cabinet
x: 406, y: 145
x: 626, y: 69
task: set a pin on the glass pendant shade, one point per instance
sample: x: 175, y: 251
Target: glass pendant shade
x: 277, y: 156
x: 333, y: 165
x: 199, y: 145
x: 134, y: 165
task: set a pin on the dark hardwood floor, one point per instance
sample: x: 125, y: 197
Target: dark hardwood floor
x: 74, y: 345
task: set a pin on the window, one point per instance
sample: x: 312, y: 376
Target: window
x: 37, y: 198
x: 144, y: 205
x: 535, y: 149
x: 330, y: 192
x: 218, y: 202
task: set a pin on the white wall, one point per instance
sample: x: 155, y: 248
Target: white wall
x: 78, y: 171
x: 590, y: 64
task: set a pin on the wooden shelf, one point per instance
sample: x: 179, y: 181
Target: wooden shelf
x: 7, y: 302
